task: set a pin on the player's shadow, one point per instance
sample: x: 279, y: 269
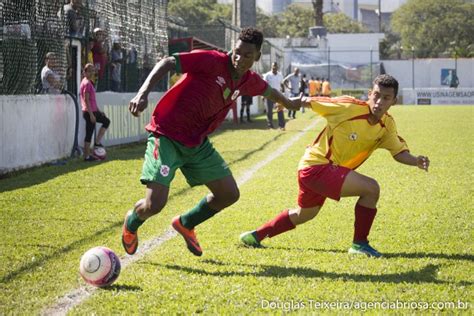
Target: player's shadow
x: 123, y: 287
x: 428, y: 274
x: 40, y: 261
x: 407, y: 255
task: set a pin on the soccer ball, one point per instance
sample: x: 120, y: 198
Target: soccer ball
x: 99, y: 266
x: 100, y: 153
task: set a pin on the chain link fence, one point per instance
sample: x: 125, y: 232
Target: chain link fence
x: 29, y: 29
x: 345, y: 69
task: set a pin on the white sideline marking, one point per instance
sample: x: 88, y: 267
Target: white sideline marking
x: 77, y: 296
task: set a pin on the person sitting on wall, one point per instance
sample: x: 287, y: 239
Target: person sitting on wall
x: 50, y: 79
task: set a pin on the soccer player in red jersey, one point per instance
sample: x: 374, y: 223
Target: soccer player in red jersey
x: 327, y: 170
x: 186, y: 114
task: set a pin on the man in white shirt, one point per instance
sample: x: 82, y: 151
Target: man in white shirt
x: 292, y: 82
x: 50, y: 79
x: 275, y: 80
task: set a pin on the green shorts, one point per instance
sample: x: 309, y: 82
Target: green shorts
x: 200, y: 165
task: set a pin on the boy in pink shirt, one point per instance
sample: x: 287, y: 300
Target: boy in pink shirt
x: 91, y: 113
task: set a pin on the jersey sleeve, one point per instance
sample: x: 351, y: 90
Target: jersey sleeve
x: 197, y: 61
x: 328, y: 107
x: 391, y: 140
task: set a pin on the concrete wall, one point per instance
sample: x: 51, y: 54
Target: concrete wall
x: 428, y: 71
x: 124, y: 127
x: 354, y: 48
x: 35, y: 130
x: 438, y: 96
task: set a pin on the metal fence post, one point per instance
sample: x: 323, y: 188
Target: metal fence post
x: 371, y: 74
x: 413, y: 67
x: 329, y: 63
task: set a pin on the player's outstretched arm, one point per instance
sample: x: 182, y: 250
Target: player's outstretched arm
x: 140, y: 101
x: 406, y: 158
x: 290, y: 103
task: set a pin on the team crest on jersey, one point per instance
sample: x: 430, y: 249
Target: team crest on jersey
x: 235, y: 95
x: 164, y: 170
x: 220, y: 81
x: 353, y: 136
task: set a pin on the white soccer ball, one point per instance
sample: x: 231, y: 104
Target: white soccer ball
x: 99, y: 266
x: 100, y: 153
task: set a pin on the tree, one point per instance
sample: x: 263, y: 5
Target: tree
x: 434, y: 27
x: 341, y: 23
x: 318, y: 12
x: 295, y: 21
x: 268, y: 24
x: 390, y: 46
x: 199, y: 12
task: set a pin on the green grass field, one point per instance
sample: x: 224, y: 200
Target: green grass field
x: 51, y: 215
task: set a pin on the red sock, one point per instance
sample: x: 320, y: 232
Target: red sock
x: 280, y: 224
x: 364, y: 217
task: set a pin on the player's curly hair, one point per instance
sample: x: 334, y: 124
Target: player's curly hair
x: 387, y: 81
x: 252, y: 35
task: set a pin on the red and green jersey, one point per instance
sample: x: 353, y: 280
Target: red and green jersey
x: 198, y: 103
x: 348, y: 139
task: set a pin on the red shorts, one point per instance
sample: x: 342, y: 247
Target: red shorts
x: 319, y: 182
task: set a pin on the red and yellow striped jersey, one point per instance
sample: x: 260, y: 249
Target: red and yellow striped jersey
x: 348, y: 139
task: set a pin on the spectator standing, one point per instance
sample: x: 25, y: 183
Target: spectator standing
x: 326, y: 88
x: 73, y: 18
x: 304, y: 85
x: 99, y: 53
x: 454, y: 82
x: 50, y: 79
x: 303, y: 88
x: 312, y: 87
x: 91, y: 112
x: 318, y: 86
x: 274, y: 78
x: 292, y: 82
x: 245, y: 104
x: 116, y: 56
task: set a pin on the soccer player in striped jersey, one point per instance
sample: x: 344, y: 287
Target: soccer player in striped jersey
x: 327, y: 169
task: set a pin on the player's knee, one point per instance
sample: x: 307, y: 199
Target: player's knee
x: 154, y: 206
x: 373, y: 189
x: 308, y: 214
x: 229, y: 198
x: 312, y: 214
x: 233, y: 196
